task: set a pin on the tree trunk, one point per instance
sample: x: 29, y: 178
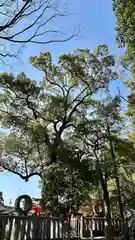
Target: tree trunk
x: 101, y: 198
x: 119, y: 192
x: 107, y: 209
x: 116, y: 174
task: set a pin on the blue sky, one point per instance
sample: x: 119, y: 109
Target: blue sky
x: 97, y: 22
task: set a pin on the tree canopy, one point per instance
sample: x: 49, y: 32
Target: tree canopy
x: 40, y: 116
x: 68, y: 130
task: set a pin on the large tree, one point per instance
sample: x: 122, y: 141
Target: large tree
x: 30, y: 21
x: 39, y: 117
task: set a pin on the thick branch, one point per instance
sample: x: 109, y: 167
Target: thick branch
x: 24, y: 177
x: 15, y: 18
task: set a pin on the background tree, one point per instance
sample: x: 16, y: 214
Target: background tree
x: 99, y: 134
x: 93, y: 137
x: 125, y: 22
x: 124, y: 152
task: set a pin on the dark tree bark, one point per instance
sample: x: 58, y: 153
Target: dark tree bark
x: 107, y: 208
x: 115, y: 173
x: 106, y: 198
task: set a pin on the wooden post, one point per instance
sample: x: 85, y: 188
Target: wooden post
x: 22, y: 229
x: 48, y: 228
x: 91, y: 228
x: 28, y: 228
x: 9, y: 228
x: 54, y: 229
x: 16, y: 229
x: 81, y: 227
x: 2, y: 229
x: 77, y: 226
x: 63, y: 229
x: 43, y: 234
x: 58, y: 229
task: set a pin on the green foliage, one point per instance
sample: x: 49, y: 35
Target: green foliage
x: 125, y: 22
x: 62, y: 188
x: 125, y: 19
x: 44, y: 114
x: 61, y: 130
x: 125, y: 27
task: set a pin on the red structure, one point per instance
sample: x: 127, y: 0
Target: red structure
x: 36, y: 210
